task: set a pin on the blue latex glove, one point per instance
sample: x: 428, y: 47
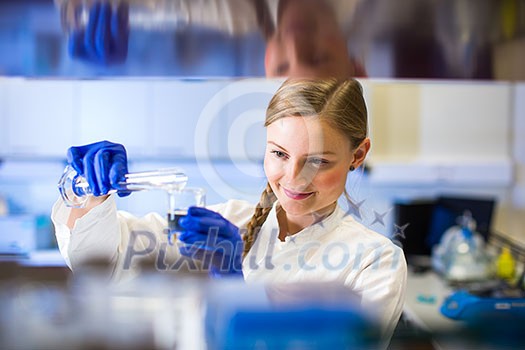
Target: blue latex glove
x: 214, y: 240
x: 103, y: 164
x: 105, y: 38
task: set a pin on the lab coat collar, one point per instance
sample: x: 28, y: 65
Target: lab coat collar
x: 312, y: 232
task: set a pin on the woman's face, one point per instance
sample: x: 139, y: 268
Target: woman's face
x: 308, y: 43
x: 306, y: 163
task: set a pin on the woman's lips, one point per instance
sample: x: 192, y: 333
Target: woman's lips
x: 296, y: 195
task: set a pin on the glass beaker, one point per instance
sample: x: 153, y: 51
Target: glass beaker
x: 178, y: 203
x: 75, y: 191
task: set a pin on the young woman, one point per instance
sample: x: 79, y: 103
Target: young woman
x: 316, y: 135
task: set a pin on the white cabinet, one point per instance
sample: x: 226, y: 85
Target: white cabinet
x: 176, y: 109
x: 441, y: 133
x: 117, y: 111
x: 462, y: 120
x: 39, y: 117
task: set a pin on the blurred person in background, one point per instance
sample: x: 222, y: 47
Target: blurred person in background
x: 304, y: 38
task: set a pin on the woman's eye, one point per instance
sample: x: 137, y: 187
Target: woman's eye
x: 282, y: 69
x: 317, y: 161
x: 279, y: 154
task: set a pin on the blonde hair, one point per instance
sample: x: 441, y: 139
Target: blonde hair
x: 339, y: 103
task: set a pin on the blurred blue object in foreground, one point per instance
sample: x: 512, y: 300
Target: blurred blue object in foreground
x: 496, y: 320
x: 287, y: 316
x: 462, y: 305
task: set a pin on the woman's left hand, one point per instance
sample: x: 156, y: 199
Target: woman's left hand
x: 211, y: 238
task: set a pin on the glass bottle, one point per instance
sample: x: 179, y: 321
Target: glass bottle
x: 75, y: 191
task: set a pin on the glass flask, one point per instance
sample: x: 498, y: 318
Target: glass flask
x: 178, y: 203
x: 75, y: 191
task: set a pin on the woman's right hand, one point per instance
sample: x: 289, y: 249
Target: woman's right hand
x: 103, y: 164
x: 208, y: 236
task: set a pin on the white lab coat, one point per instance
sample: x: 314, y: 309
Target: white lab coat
x: 338, y: 249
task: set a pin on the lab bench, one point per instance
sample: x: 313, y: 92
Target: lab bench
x: 425, y: 293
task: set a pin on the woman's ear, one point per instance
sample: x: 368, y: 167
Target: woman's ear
x: 360, y: 153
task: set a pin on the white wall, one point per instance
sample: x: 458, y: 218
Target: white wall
x: 468, y: 122
x: 38, y: 116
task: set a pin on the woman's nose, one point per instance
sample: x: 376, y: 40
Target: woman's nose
x: 301, y: 49
x: 298, y: 175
